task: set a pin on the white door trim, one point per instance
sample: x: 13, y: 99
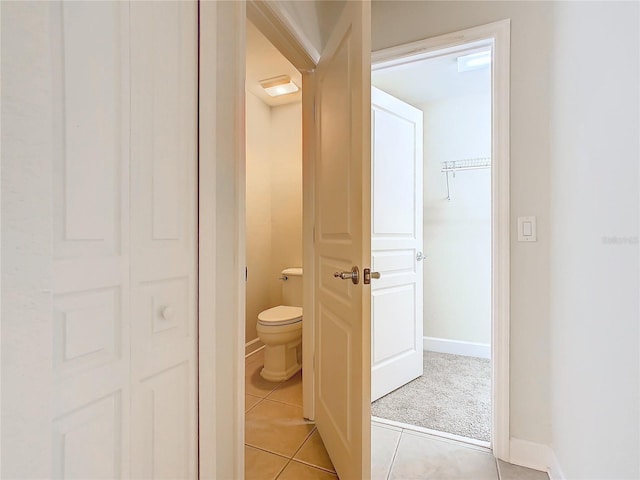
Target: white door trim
x: 221, y: 289
x: 498, y: 35
x: 221, y: 239
x: 206, y: 242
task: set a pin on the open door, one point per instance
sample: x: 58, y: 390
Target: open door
x: 396, y: 243
x: 343, y: 242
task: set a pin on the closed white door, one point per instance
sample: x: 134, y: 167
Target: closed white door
x: 163, y: 239
x: 396, y: 243
x: 342, y: 216
x: 124, y: 329
x: 91, y: 297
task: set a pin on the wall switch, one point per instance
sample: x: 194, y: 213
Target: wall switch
x: 527, y: 231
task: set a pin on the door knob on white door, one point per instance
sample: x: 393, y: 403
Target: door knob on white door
x: 167, y: 313
x: 420, y: 256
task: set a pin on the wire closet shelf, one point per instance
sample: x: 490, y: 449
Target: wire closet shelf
x: 454, y: 166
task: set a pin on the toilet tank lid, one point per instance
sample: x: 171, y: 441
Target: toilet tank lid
x: 295, y: 272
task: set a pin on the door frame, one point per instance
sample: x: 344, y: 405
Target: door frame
x: 221, y: 216
x: 221, y: 231
x: 221, y: 213
x: 497, y: 35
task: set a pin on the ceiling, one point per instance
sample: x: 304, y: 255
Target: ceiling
x: 431, y: 79
x: 416, y: 82
x: 265, y: 61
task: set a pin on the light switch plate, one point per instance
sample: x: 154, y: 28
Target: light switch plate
x: 527, y: 230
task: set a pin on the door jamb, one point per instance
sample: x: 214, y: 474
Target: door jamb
x: 277, y: 27
x: 221, y: 258
x: 498, y: 35
x: 221, y: 216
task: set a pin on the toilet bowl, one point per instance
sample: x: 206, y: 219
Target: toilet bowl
x: 280, y: 329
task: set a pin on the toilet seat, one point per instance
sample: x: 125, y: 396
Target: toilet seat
x: 280, y: 315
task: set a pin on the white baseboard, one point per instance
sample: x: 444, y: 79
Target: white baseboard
x: 529, y: 454
x: 554, y: 470
x: 252, y: 346
x: 456, y: 347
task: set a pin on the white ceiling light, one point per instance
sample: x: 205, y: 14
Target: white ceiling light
x: 474, y: 61
x: 281, y: 85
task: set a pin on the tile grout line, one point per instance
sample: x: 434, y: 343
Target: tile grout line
x: 296, y: 451
x: 311, y: 465
x: 252, y: 407
x: 308, y: 464
x: 304, y: 441
x: 262, y: 449
x: 395, y: 453
x: 283, y: 403
x: 283, y: 469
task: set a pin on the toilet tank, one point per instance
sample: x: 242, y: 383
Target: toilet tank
x: 292, y: 287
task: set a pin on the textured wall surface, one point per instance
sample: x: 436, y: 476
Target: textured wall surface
x: 27, y: 247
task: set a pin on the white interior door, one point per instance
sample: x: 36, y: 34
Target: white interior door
x: 396, y: 243
x: 342, y: 240
x: 91, y: 287
x: 163, y: 236
x: 124, y: 322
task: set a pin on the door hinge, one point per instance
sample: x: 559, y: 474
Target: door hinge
x: 246, y: 274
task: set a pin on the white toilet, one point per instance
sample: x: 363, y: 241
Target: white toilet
x: 280, y: 329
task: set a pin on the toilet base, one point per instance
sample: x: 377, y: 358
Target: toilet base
x: 281, y: 362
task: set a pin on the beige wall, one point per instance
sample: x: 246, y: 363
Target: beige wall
x: 258, y: 214
x: 274, y: 202
x: 595, y: 331
x: 398, y: 22
x: 457, y: 232
x: 286, y: 193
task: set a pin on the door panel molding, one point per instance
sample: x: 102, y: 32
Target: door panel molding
x: 396, y: 238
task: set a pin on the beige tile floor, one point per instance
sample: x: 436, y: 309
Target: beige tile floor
x: 280, y: 444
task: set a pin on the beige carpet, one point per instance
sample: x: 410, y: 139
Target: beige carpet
x: 453, y: 396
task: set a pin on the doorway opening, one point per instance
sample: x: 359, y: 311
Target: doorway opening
x: 279, y: 441
x: 451, y: 323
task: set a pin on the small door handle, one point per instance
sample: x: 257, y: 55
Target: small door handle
x: 368, y: 275
x: 167, y: 313
x: 420, y: 256
x: 354, y: 275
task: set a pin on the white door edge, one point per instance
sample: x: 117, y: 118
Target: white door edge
x: 497, y: 35
x: 206, y: 244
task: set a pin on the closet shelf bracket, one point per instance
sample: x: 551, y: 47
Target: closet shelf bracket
x: 454, y: 166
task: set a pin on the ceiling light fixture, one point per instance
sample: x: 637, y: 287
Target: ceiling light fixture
x: 281, y: 85
x: 474, y: 61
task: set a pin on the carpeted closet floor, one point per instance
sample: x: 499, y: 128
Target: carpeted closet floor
x: 453, y: 395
